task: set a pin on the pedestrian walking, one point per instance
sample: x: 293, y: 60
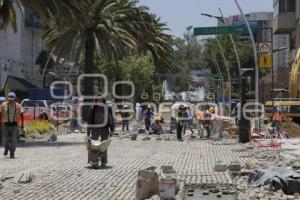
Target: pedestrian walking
x: 148, y: 115
x: 12, y: 120
x: 179, y: 122
x: 100, y: 122
x: 125, y: 118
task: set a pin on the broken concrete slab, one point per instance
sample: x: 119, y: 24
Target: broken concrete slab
x: 234, y: 166
x: 220, y: 167
x: 25, y: 177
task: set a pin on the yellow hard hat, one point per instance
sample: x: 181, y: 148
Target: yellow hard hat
x: 211, y: 109
x: 157, y: 118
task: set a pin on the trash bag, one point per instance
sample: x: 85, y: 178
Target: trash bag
x: 278, y: 178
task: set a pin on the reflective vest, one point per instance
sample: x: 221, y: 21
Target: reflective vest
x: 17, y: 113
x: 277, y: 116
x: 0, y: 114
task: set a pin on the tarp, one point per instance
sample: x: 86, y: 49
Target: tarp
x: 278, y: 178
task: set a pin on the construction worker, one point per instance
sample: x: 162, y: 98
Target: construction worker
x: 2, y: 99
x: 187, y: 119
x: 148, y: 115
x: 125, y: 118
x: 200, y: 117
x: 277, y: 118
x: 179, y: 122
x: 208, y: 121
x: 12, y: 119
x: 156, y: 127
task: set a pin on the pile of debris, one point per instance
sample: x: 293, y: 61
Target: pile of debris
x: 228, y: 125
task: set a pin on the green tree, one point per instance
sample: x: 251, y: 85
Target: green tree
x: 8, y: 14
x: 110, y: 28
x: 244, y: 50
x: 139, y: 69
x: 187, y: 56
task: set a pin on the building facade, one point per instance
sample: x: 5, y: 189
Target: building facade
x: 287, y: 21
x: 18, y: 51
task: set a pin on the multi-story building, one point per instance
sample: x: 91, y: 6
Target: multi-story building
x: 287, y: 19
x: 19, y: 50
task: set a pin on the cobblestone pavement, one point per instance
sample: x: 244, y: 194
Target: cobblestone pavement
x: 61, y: 170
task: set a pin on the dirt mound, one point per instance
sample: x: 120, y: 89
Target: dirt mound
x: 291, y: 128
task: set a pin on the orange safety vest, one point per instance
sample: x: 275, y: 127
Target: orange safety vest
x: 4, y: 110
x: 199, y: 115
x: 277, y: 116
x: 1, y: 114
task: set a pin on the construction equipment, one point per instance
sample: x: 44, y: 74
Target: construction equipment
x: 290, y: 101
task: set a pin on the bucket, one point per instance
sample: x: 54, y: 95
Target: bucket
x: 167, y: 187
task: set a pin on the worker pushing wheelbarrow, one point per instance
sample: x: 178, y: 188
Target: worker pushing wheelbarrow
x: 96, y: 151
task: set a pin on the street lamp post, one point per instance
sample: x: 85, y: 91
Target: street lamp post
x: 228, y: 72
x: 223, y: 20
x: 45, y: 67
x: 255, y: 56
x: 221, y: 76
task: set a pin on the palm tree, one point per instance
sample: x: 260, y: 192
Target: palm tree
x: 110, y: 28
x: 8, y: 14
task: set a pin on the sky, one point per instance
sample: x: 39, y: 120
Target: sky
x: 179, y: 14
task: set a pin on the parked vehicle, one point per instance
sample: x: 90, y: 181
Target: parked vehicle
x: 35, y: 109
x: 41, y: 110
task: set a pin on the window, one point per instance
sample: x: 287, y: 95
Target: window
x: 287, y: 5
x: 31, y: 20
x: 276, y: 9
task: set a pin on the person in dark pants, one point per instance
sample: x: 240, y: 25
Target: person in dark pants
x: 98, y: 116
x: 111, y: 116
x: 125, y: 118
x: 207, y: 122
x: 12, y: 119
x: 148, y: 115
x: 179, y: 123
x: 187, y: 118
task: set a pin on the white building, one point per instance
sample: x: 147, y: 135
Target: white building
x: 18, y: 51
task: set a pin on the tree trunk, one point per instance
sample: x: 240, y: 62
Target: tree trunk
x: 89, y: 65
x: 89, y: 68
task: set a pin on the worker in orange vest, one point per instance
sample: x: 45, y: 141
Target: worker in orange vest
x: 12, y: 119
x: 2, y: 99
x: 277, y: 118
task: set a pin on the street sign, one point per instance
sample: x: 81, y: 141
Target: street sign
x: 220, y: 30
x: 265, y: 47
x: 265, y: 60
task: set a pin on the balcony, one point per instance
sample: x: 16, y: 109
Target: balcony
x: 284, y: 22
